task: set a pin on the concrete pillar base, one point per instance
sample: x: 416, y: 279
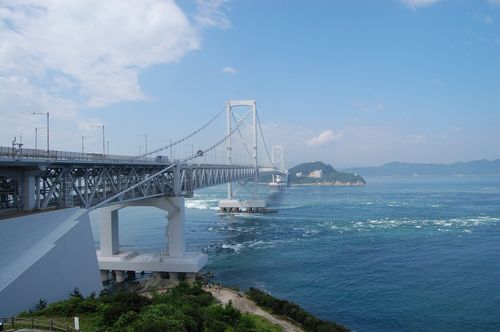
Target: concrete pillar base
x: 191, y: 277
x: 104, y: 275
x: 120, y: 276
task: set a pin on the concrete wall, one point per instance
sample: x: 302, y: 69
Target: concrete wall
x: 45, y: 256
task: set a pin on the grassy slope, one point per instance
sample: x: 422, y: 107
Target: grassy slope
x: 183, y: 308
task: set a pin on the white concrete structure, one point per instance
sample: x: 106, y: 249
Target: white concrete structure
x: 174, y: 260
x: 45, y: 256
x: 236, y: 205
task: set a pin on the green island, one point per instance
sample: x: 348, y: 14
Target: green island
x: 184, y: 307
x: 319, y: 173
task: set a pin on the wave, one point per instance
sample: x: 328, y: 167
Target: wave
x: 234, y: 247
x: 202, y: 204
x: 464, y: 224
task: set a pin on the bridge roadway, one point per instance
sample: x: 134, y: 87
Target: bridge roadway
x: 68, y: 179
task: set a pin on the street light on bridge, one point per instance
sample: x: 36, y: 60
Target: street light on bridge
x: 146, y: 143
x: 107, y: 142
x: 48, y: 128
x: 36, y: 138
x: 103, y: 139
x: 83, y: 143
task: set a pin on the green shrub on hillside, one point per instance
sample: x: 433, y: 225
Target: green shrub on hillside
x: 293, y: 311
x: 183, y: 308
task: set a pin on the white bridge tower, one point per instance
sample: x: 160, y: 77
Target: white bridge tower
x: 232, y: 205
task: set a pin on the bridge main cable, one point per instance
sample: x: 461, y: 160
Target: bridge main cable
x: 184, y: 138
x: 264, y: 141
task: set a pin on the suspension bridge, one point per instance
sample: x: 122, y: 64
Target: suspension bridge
x: 34, y: 181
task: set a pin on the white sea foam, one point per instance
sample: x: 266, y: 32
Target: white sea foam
x: 442, y: 225
x: 310, y: 232
x: 235, y: 247
x: 201, y: 204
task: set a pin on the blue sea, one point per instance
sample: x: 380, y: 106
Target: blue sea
x: 399, y: 254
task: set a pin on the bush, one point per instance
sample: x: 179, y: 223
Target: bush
x: 183, y: 308
x: 76, y: 293
x: 293, y: 311
x: 42, y: 304
x: 118, y: 304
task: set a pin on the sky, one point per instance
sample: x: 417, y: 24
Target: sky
x: 352, y: 83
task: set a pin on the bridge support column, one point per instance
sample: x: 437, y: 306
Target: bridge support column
x: 175, y: 227
x: 28, y: 191
x: 109, y: 235
x: 120, y: 276
x: 104, y: 275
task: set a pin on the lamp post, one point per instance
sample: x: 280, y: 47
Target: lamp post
x: 48, y: 128
x: 103, y: 139
x: 36, y: 138
x: 83, y: 143
x: 107, y: 143
x: 146, y: 143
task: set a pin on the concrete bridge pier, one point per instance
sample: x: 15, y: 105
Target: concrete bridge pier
x: 109, y: 231
x: 175, y: 261
x: 29, y: 191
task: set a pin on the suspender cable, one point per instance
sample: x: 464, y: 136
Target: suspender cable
x: 184, y: 138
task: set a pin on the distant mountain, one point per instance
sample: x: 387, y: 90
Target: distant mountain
x: 476, y: 167
x: 318, y: 172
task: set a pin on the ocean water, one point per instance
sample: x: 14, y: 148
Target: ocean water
x: 400, y: 254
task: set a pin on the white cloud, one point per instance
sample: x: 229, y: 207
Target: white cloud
x: 419, y: 3
x: 62, y: 56
x: 437, y: 82
x: 19, y: 99
x: 325, y: 137
x: 229, y: 70
x: 212, y: 13
x: 375, y: 106
x: 100, y: 45
x: 486, y: 19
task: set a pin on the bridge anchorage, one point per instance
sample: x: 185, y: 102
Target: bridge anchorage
x: 77, y: 186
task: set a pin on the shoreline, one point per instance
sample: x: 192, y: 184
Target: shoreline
x: 241, y: 302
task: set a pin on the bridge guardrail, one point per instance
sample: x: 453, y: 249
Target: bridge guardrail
x: 21, y: 153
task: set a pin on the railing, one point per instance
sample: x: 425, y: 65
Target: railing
x: 21, y: 153
x: 31, y: 322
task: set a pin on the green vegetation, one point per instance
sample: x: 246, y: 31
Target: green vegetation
x: 318, y: 172
x: 183, y: 308
x: 292, y: 311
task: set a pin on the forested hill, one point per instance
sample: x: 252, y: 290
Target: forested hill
x: 318, y: 172
x: 476, y: 167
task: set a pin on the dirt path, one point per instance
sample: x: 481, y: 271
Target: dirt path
x: 242, y: 303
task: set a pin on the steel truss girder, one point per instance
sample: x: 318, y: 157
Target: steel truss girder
x: 86, y: 186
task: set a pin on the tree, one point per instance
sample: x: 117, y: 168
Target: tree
x: 42, y: 304
x: 76, y: 293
